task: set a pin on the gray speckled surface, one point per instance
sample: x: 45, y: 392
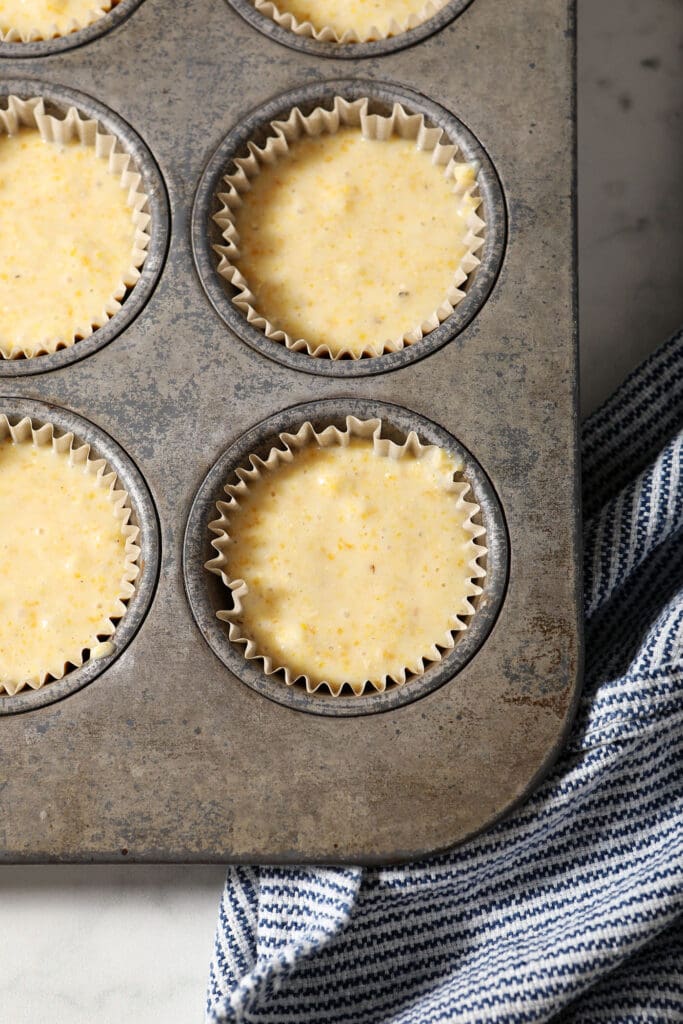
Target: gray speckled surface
x: 166, y: 756
x: 630, y: 68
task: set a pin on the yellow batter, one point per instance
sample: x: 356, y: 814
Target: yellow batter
x: 351, y: 243
x: 359, y: 16
x: 66, y: 241
x: 62, y: 562
x: 356, y: 564
x: 44, y: 17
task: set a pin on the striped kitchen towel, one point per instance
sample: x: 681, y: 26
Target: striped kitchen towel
x: 572, y: 908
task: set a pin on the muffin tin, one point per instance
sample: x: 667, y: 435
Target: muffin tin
x: 166, y: 754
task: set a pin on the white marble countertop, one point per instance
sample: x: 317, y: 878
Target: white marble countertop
x: 132, y: 943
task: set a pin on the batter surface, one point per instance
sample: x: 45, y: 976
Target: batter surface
x: 44, y: 16
x: 66, y: 241
x: 360, y: 16
x: 349, y: 242
x: 356, y: 564
x: 62, y: 562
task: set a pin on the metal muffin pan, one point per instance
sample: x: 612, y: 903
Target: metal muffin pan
x: 143, y: 516
x: 167, y: 755
x: 57, y: 100
x: 356, y: 51
x: 45, y: 47
x: 255, y: 127
x: 207, y: 594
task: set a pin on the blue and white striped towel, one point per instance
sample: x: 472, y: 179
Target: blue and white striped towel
x: 573, y: 905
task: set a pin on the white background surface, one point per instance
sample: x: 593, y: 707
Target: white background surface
x: 103, y: 945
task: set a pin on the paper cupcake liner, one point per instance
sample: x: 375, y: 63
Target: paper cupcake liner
x: 97, y: 11
x: 372, y: 126
x: 30, y: 113
x: 328, y: 34
x: 25, y: 432
x: 329, y: 437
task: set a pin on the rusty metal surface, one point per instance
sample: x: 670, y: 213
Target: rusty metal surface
x: 168, y: 756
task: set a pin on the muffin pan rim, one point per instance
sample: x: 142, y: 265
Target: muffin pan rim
x: 46, y: 47
x: 159, y: 227
x: 205, y: 232
x: 145, y: 515
x: 376, y: 48
x: 199, y: 582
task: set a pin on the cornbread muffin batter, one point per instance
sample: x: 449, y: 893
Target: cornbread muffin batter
x: 46, y: 16
x: 350, y: 243
x: 359, y: 16
x: 63, y: 563
x: 356, y: 564
x: 66, y: 242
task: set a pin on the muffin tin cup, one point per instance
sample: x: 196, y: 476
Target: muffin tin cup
x: 346, y: 51
x: 58, y: 100
x: 143, y: 516
x: 24, y: 436
x: 283, y: 454
x: 208, y: 595
x: 30, y: 114
x: 444, y: 160
x: 256, y: 128
x: 79, y: 37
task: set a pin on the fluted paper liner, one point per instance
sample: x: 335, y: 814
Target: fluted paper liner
x: 328, y: 34
x: 331, y: 436
x: 25, y: 432
x: 30, y: 113
x: 97, y: 11
x: 372, y: 126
